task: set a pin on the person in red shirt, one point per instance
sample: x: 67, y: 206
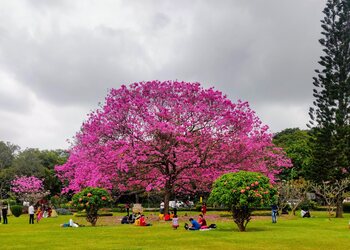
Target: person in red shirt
x: 204, y: 208
x: 143, y: 221
x: 202, y: 221
x: 167, y: 217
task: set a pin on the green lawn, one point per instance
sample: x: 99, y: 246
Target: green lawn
x: 289, y: 233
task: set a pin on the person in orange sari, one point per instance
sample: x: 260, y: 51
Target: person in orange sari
x: 39, y: 214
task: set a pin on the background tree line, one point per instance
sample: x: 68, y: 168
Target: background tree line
x: 29, y: 162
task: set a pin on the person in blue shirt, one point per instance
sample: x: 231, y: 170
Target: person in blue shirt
x: 195, y: 225
x: 274, y: 213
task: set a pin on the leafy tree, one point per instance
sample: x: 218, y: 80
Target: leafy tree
x: 28, y: 163
x: 28, y: 188
x: 330, y: 114
x: 91, y: 200
x: 242, y: 192
x: 168, y: 136
x: 7, y: 154
x: 330, y: 192
x: 296, y: 143
x: 293, y: 192
x: 6, y: 176
x: 49, y: 159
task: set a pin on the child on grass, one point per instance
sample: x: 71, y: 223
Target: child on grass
x: 175, y: 224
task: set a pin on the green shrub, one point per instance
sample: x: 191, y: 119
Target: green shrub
x: 63, y: 211
x: 346, y: 207
x: 16, y: 210
x: 309, y: 205
x: 91, y: 200
x: 121, y: 208
x: 243, y: 192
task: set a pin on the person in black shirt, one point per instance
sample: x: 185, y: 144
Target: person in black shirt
x: 4, y: 213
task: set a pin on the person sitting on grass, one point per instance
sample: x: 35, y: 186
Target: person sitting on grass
x: 125, y: 220
x: 137, y: 220
x: 167, y: 217
x: 305, y: 213
x: 202, y: 221
x: 195, y: 225
x: 131, y: 218
x: 143, y: 222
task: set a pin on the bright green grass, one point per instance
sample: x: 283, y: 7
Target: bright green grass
x: 289, y: 233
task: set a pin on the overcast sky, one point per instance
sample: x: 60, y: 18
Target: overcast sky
x: 59, y: 58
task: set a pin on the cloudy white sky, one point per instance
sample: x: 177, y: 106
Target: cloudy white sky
x: 58, y: 58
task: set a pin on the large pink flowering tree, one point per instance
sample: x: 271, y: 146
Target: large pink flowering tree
x: 168, y: 136
x: 28, y: 188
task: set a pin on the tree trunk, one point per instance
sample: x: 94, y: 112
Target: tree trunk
x: 166, y: 201
x: 339, y: 209
x: 241, y: 217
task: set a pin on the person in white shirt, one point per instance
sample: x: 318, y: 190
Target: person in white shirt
x: 161, y: 208
x: 31, y: 213
x: 175, y: 222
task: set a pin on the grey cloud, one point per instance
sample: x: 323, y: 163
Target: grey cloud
x: 260, y: 51
x: 19, y: 103
x: 76, y: 67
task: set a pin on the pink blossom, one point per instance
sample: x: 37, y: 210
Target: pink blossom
x: 165, y: 136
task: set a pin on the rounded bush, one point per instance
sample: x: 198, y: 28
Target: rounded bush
x: 63, y: 211
x: 16, y: 210
x: 346, y: 207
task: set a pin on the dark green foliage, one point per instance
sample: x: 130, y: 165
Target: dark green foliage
x: 7, y: 154
x: 242, y: 192
x: 16, y: 210
x: 91, y: 200
x: 330, y: 116
x: 29, y: 162
x: 63, y: 211
x: 296, y: 143
x: 346, y: 207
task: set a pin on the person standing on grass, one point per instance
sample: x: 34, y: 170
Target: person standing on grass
x: 204, y: 208
x: 39, y: 214
x: 127, y: 208
x: 31, y: 213
x: 161, y: 207
x: 274, y: 213
x: 4, y: 213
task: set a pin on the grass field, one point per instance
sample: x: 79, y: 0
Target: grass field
x: 289, y: 233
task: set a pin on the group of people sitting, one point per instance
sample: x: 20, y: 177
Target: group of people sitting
x: 43, y: 212
x: 140, y: 220
x: 201, y: 224
x: 137, y: 219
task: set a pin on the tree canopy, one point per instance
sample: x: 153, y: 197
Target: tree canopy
x: 330, y: 112
x: 242, y: 192
x: 297, y: 144
x: 168, y: 136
